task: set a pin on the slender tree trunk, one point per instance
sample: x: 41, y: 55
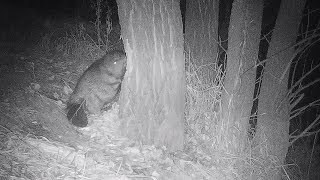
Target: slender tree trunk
x: 153, y: 92
x: 201, y: 35
x: 242, y: 53
x: 243, y: 99
x: 231, y: 136
x: 273, y: 119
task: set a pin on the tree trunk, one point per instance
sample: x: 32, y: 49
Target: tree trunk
x: 273, y: 108
x: 243, y: 46
x: 153, y: 92
x: 251, y: 52
x: 201, y: 35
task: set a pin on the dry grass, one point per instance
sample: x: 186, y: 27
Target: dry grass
x: 304, y: 150
x: 40, y: 143
x: 205, y: 125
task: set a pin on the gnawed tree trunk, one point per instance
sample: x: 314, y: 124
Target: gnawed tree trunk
x: 201, y: 35
x: 273, y: 108
x: 153, y: 92
x: 243, y: 47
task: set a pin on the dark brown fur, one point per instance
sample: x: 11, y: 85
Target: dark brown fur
x: 99, y: 85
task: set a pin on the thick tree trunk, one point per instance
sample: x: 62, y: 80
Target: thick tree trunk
x: 153, y: 92
x: 201, y: 36
x: 273, y: 109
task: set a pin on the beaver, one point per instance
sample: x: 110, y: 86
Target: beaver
x: 97, y: 87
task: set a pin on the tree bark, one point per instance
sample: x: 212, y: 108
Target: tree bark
x: 242, y: 54
x: 230, y: 136
x: 153, y: 92
x: 273, y: 109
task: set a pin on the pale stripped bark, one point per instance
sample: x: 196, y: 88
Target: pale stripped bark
x: 273, y: 109
x: 153, y: 92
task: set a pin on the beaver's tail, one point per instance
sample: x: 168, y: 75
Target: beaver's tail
x: 76, y: 114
